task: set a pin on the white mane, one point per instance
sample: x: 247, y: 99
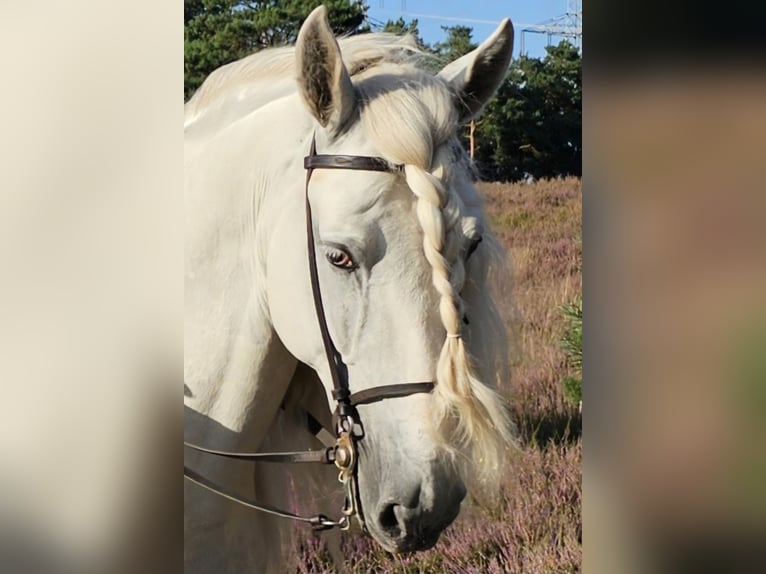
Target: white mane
x: 245, y: 85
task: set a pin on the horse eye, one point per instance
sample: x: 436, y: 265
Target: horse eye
x: 473, y: 246
x: 341, y: 259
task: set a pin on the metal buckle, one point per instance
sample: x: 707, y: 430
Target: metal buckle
x: 345, y: 460
x: 349, y: 425
x: 321, y: 523
x: 345, y: 456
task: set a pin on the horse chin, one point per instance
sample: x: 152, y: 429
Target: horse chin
x: 405, y: 545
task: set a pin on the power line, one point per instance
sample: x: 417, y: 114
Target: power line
x: 451, y: 18
x: 567, y: 25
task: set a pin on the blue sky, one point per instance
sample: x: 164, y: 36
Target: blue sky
x: 481, y: 15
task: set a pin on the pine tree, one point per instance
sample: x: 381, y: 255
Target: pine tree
x: 217, y: 32
x: 457, y: 44
x: 534, y: 124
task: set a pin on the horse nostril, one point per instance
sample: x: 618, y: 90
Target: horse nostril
x: 388, y: 520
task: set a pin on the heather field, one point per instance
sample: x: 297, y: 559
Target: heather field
x: 536, y: 527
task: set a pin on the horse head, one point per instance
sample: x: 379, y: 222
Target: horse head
x: 402, y: 258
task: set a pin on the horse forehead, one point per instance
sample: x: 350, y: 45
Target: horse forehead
x: 346, y: 193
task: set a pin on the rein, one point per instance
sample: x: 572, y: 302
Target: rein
x: 340, y: 449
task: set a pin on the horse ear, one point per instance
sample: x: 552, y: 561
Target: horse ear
x: 324, y: 82
x: 476, y: 76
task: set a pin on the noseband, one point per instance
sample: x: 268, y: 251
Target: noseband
x: 340, y: 449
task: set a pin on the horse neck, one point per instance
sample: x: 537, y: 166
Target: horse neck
x: 236, y: 367
x: 235, y: 363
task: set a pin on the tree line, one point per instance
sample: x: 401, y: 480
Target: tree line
x: 532, y: 128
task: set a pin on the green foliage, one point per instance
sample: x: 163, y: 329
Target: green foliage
x: 573, y: 389
x: 572, y: 340
x: 571, y: 343
x: 534, y: 124
x: 401, y: 28
x: 457, y: 44
x: 217, y: 32
x: 532, y: 127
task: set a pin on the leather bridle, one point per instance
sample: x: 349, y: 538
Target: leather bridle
x: 340, y: 449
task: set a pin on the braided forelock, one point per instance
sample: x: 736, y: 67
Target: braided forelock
x: 470, y: 416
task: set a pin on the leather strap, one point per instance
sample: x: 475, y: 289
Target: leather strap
x: 319, y: 522
x: 376, y: 394
x: 353, y: 162
x: 340, y: 385
x: 341, y: 392
x: 326, y: 456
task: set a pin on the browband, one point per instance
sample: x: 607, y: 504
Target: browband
x: 355, y: 162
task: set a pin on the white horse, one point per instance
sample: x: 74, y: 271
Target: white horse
x: 403, y: 273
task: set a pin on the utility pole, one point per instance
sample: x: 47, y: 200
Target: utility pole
x: 567, y: 26
x: 472, y: 139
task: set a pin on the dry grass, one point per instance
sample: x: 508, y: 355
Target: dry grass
x: 540, y: 226
x: 537, y: 525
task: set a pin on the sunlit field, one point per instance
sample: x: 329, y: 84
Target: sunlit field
x: 536, y: 526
